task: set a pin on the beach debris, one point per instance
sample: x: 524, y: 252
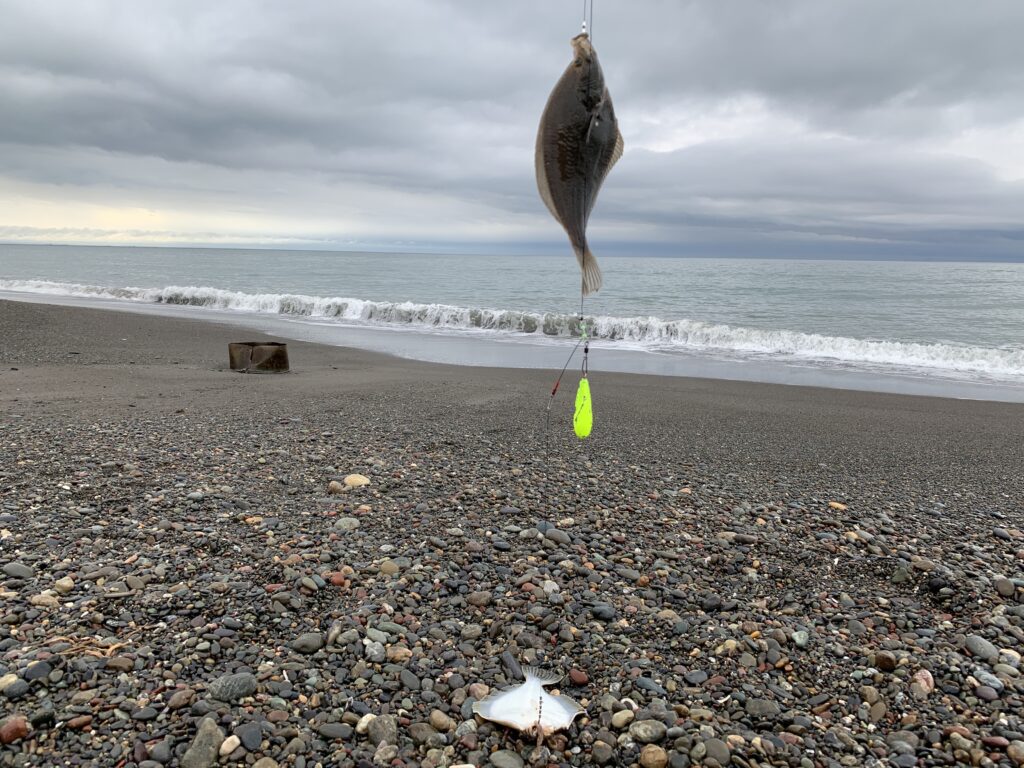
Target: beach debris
x: 578, y: 142
x: 528, y: 707
x: 258, y: 356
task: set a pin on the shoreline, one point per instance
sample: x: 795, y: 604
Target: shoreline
x: 725, y: 572
x: 482, y: 350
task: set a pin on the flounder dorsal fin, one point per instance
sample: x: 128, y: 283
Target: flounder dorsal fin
x: 620, y: 146
x: 541, y: 676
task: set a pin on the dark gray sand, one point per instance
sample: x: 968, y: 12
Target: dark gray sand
x: 725, y: 572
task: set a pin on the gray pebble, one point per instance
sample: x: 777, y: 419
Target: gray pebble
x: 16, y: 690
x: 232, y: 688
x: 506, y: 758
x: 17, y: 570
x: 205, y: 747
x: 648, y: 731
x: 309, y: 642
x: 383, y: 730
x: 982, y: 648
x: 762, y: 708
x: 250, y: 734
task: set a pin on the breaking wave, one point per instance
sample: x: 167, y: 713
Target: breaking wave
x: 649, y: 333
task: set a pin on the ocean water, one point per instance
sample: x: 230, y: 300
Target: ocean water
x: 937, y: 322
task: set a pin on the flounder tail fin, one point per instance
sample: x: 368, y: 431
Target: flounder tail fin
x: 592, y: 278
x: 541, y: 676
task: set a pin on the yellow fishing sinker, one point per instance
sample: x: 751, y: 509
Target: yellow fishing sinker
x: 583, y: 417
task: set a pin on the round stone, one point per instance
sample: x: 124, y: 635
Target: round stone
x: 382, y: 730
x: 1005, y: 587
x: 250, y: 734
x: 622, y: 718
x: 37, y: 670
x: 982, y: 648
x: 648, y: 731
x: 762, y: 708
x: 356, y: 480
x: 231, y: 743
x: 16, y: 690
x: 602, y: 753
x: 578, y: 676
x: 717, y: 749
x: 18, y: 570
x: 653, y: 756
x: 310, y: 642
x: 440, y: 721
x: 231, y: 688
x: 1016, y: 752
x: 987, y: 693
x: 696, y: 677
x: 12, y: 729
x: 885, y: 661
x: 506, y: 758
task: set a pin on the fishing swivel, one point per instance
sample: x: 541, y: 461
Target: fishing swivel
x: 586, y: 343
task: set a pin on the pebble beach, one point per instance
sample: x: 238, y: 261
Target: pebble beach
x: 329, y: 567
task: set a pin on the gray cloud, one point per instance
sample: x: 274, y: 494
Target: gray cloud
x: 888, y: 128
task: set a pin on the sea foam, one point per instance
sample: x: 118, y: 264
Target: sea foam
x: 649, y: 333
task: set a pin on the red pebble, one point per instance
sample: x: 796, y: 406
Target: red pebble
x: 13, y: 728
x: 578, y: 676
x: 79, y: 723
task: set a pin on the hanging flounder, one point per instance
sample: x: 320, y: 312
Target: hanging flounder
x: 577, y: 144
x: 528, y: 707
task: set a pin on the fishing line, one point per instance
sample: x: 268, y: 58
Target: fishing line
x: 585, y: 341
x: 558, y: 381
x: 583, y: 335
x: 585, y: 25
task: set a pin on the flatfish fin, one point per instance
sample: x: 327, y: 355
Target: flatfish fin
x: 541, y: 676
x: 620, y: 147
x: 517, y: 707
x: 606, y: 150
x: 558, y: 712
x: 604, y: 163
x: 543, y: 186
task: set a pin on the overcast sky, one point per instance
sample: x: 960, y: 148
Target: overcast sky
x: 804, y: 127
